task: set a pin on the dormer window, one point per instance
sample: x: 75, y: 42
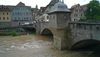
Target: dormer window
x: 47, y: 17
x: 62, y: 7
x: 97, y: 28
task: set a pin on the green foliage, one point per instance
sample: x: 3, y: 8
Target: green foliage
x: 93, y: 11
x: 83, y: 18
x: 13, y: 33
x: 33, y: 33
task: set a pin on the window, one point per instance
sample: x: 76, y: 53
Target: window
x: 18, y: 13
x: 74, y: 19
x: 26, y: 13
x: 97, y: 28
x: 3, y: 18
x: 24, y: 18
x: 15, y: 13
x: 0, y: 18
x: 18, y: 18
x: 79, y: 26
x: 47, y: 17
x: 65, y: 16
x: 81, y: 14
x: 19, y: 23
x: 15, y: 18
x: 30, y: 18
x: 91, y: 35
x: 3, y: 13
x: 84, y: 27
x: 27, y: 18
x: 75, y: 15
x: 73, y: 25
x: 7, y: 13
x: 90, y: 27
x: 53, y: 17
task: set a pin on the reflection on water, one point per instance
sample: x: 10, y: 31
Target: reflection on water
x: 36, y: 46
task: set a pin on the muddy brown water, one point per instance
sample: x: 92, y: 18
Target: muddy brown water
x: 36, y: 46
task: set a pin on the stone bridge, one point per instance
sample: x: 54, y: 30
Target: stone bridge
x: 70, y: 35
x: 74, y: 35
x: 67, y: 34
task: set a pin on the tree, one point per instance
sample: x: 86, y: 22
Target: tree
x: 93, y: 10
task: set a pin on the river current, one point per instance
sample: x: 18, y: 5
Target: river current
x: 36, y: 46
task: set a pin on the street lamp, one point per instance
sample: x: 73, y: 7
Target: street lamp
x: 91, y: 13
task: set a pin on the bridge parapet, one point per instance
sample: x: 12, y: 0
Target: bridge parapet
x: 84, y: 31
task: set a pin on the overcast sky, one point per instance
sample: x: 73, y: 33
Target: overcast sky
x: 40, y: 3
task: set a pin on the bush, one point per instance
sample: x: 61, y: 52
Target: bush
x: 13, y: 33
x: 33, y: 33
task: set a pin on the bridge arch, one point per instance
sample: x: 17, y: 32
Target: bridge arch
x: 47, y: 32
x: 85, y: 44
x: 30, y: 29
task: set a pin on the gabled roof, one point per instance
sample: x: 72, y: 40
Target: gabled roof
x: 4, y: 8
x: 59, y: 7
x: 52, y: 3
x: 20, y: 4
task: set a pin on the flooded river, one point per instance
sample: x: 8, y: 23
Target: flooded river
x: 35, y: 46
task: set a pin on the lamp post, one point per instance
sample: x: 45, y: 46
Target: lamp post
x: 91, y: 35
x: 91, y: 13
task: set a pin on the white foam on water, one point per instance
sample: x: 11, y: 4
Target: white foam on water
x: 8, y: 49
x: 30, y: 45
x: 21, y: 48
x: 13, y: 46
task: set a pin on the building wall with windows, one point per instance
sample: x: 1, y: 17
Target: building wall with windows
x: 35, y: 12
x: 78, y: 12
x: 21, y: 14
x: 5, y: 14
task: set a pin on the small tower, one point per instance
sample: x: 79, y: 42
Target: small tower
x: 60, y: 14
x: 36, y: 6
x: 59, y: 17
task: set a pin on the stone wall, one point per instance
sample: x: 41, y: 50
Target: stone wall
x: 85, y: 31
